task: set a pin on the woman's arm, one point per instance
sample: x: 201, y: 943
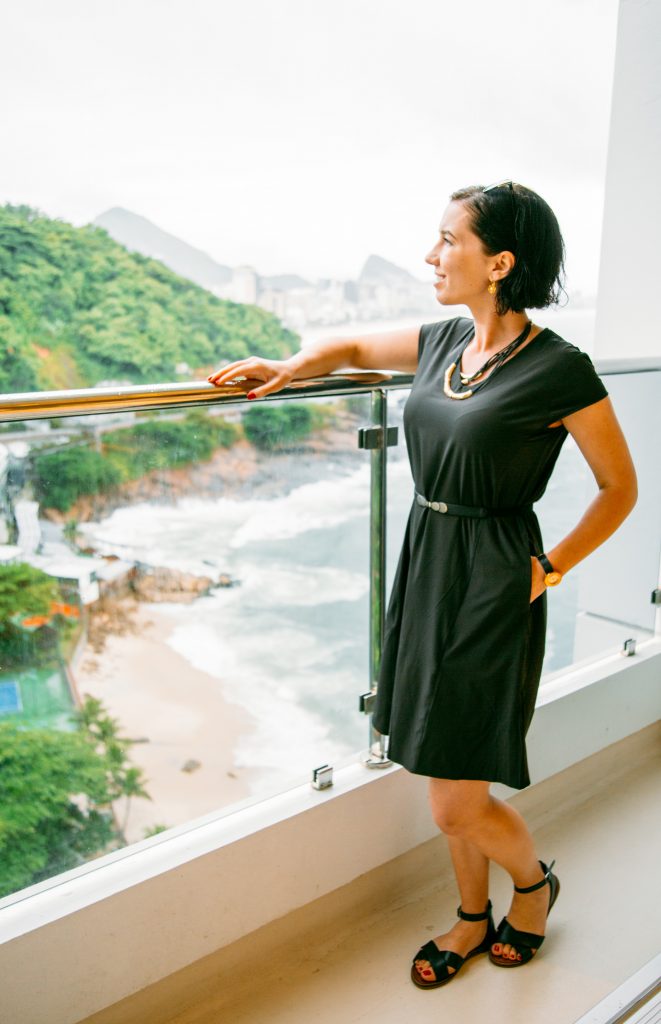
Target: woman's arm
x: 386, y: 350
x: 601, y: 441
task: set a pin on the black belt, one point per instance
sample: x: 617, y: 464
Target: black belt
x: 474, y: 511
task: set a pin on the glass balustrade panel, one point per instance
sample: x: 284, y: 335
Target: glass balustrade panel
x: 184, y: 608
x: 185, y: 618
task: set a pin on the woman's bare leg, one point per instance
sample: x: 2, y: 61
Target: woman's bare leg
x: 471, y: 869
x: 467, y: 811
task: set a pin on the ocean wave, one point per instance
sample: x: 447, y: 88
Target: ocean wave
x: 197, y: 531
x: 267, y: 673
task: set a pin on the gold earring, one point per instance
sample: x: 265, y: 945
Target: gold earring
x: 491, y: 287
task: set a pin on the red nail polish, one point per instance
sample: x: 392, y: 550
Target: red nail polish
x: 251, y: 394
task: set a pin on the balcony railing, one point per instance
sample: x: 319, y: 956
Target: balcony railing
x: 290, y: 544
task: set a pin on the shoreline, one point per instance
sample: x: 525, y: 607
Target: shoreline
x: 186, y: 731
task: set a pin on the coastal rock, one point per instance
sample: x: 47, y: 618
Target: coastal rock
x: 160, y: 584
x: 113, y: 614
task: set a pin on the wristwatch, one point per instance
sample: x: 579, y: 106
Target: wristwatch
x: 552, y: 578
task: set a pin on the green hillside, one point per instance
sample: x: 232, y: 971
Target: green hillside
x: 77, y: 308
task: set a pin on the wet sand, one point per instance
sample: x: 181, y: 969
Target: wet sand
x: 180, y: 714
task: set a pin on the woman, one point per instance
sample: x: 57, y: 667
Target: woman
x: 492, y: 402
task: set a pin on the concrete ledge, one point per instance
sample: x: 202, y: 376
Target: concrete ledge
x: 295, y: 951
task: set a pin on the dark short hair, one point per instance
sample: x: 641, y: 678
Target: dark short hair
x: 521, y: 222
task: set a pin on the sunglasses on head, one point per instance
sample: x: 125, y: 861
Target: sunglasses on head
x: 499, y: 184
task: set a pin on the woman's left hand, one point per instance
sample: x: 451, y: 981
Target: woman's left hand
x: 537, y: 586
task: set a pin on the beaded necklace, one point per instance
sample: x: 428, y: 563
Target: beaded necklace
x: 495, y: 360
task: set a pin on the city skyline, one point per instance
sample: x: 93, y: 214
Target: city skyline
x: 381, y: 291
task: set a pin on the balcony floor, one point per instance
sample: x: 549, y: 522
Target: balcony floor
x: 344, y: 959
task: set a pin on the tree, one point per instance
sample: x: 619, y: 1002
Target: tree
x: 61, y: 477
x: 24, y: 592
x: 76, y: 307
x: 102, y: 731
x: 270, y: 426
x: 56, y: 794
x: 43, y: 830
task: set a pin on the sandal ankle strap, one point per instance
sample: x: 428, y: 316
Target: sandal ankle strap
x: 474, y: 917
x: 537, y: 885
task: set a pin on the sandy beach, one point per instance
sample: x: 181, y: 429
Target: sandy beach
x: 179, y: 716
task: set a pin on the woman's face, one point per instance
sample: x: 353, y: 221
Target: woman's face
x: 461, y: 266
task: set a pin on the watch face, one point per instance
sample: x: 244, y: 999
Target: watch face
x: 552, y: 579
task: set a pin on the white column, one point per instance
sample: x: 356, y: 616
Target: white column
x: 628, y: 319
x: 617, y: 580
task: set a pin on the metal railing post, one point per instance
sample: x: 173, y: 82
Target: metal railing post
x: 376, y: 756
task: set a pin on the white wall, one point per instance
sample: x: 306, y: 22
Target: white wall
x: 628, y: 311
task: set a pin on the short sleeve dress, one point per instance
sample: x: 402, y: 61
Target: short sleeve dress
x: 463, y: 644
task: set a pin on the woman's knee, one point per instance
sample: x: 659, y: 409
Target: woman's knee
x: 456, y: 806
x: 451, y: 818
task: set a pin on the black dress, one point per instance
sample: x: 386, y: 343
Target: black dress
x: 463, y: 645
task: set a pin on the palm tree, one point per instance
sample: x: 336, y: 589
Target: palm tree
x: 132, y: 785
x: 124, y: 779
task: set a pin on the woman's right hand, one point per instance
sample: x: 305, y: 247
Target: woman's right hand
x: 397, y: 350
x: 275, y: 373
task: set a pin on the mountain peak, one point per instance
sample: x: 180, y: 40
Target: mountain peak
x: 376, y: 268
x: 119, y: 213
x: 141, y: 235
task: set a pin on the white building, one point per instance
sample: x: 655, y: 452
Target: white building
x: 243, y: 287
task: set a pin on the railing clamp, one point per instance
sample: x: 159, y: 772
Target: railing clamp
x: 322, y: 778
x: 366, y: 702
x: 372, y: 437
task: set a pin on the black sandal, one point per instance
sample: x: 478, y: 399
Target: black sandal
x: 442, y: 959
x: 526, y: 943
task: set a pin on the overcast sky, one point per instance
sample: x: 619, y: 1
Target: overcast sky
x: 297, y: 135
